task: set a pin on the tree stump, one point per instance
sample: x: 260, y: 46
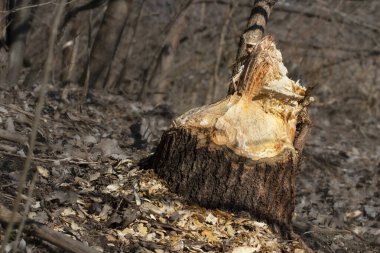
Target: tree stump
x: 241, y: 153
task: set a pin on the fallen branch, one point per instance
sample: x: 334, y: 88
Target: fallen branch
x: 47, y: 160
x: 13, y: 137
x: 15, y: 108
x: 8, y: 148
x: 41, y: 231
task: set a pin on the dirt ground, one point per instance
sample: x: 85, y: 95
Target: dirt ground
x: 89, y: 185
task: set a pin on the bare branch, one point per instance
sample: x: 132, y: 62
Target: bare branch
x: 327, y: 14
x: 14, y: 137
x: 36, y: 229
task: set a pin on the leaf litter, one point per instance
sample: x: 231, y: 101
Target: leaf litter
x: 90, y: 187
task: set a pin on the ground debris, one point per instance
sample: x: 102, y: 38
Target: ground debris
x: 90, y: 187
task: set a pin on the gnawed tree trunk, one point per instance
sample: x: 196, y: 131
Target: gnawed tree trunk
x: 257, y: 23
x: 107, y: 39
x: 242, y: 153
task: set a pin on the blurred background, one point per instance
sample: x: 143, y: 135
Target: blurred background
x: 181, y: 52
x: 178, y: 55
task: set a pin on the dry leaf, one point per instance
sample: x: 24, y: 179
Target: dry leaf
x: 42, y: 171
x: 209, y: 236
x: 230, y: 230
x: 353, y: 215
x: 211, y: 219
x: 143, y: 231
x: 113, y: 187
x: 245, y: 249
x: 111, y: 238
x: 67, y: 212
x: 94, y: 176
x: 105, y: 211
x: 74, y: 226
x: 176, y: 244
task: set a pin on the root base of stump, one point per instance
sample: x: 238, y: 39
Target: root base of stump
x: 215, y: 177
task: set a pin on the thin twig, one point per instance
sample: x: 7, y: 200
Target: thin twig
x: 13, y: 107
x: 47, y: 160
x: 41, y: 100
x: 87, y: 77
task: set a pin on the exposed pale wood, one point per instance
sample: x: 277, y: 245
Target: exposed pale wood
x: 254, y: 32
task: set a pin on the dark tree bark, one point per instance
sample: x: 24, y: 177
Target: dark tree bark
x: 215, y: 177
x: 3, y: 53
x: 3, y: 25
x: 16, y: 37
x: 243, y: 152
x: 107, y: 40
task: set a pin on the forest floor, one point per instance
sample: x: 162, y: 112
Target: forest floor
x: 89, y: 185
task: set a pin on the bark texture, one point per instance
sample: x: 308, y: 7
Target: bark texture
x: 215, y: 177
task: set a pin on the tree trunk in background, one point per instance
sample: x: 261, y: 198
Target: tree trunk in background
x: 3, y: 53
x: 243, y: 152
x: 159, y: 74
x: 107, y: 40
x: 3, y: 8
x: 253, y: 33
x: 211, y: 94
x: 16, y: 37
x: 131, y: 42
